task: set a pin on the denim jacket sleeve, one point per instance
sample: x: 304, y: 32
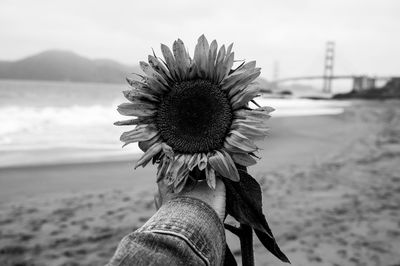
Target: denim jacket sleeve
x: 184, y: 231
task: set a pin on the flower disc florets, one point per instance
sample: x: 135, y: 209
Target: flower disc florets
x: 194, y: 117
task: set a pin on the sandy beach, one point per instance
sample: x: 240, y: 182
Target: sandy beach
x: 331, y: 189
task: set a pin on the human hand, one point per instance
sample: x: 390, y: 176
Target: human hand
x: 213, y: 197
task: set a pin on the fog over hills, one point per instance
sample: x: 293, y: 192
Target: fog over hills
x: 57, y: 65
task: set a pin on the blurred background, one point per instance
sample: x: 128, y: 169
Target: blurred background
x: 329, y: 169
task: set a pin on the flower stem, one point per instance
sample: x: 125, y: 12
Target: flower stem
x: 246, y: 245
x: 233, y: 229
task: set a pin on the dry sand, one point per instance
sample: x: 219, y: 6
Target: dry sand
x: 331, y: 194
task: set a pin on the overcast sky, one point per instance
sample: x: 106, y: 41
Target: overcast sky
x: 291, y: 32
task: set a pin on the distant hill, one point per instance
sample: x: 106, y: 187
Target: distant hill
x: 59, y: 65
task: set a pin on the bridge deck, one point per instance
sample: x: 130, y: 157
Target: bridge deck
x: 332, y: 77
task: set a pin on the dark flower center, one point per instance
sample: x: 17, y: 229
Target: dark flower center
x: 194, y: 117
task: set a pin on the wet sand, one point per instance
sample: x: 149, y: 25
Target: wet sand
x: 331, y: 194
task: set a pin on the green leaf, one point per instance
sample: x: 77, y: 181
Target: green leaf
x: 272, y: 246
x: 244, y: 203
x: 229, y: 258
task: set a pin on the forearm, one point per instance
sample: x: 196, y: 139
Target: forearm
x: 184, y: 230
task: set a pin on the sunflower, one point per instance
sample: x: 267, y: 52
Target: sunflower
x: 193, y: 115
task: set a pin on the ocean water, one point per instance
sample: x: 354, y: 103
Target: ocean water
x: 60, y: 122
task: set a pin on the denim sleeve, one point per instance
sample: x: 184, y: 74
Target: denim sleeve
x: 184, y: 231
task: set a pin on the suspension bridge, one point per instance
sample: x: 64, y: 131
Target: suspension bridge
x: 360, y: 82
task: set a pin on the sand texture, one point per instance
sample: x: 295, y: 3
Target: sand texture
x: 331, y: 189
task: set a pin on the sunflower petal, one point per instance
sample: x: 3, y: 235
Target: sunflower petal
x: 243, y: 159
x: 243, y: 68
x: 202, y: 161
x: 242, y: 84
x: 212, y: 54
x: 210, y: 177
x: 159, y: 68
x: 130, y: 122
x: 138, y: 130
x: 229, y: 50
x: 193, y: 161
x: 235, y: 77
x: 181, y: 185
x: 170, y: 61
x: 219, y: 63
x: 267, y: 109
x: 236, y: 89
x: 233, y: 70
x: 201, y: 55
x: 162, y: 168
x: 238, y: 140
x: 226, y: 67
x: 143, y: 87
x: 146, y: 144
x: 188, y: 157
x: 254, y: 73
x: 150, y: 72
x: 262, y: 113
x: 135, y: 95
x: 181, y: 177
x: 259, y: 124
x: 238, y: 79
x: 232, y: 149
x: 148, y: 155
x: 136, y: 109
x: 193, y: 70
x: 250, y: 121
x: 221, y: 55
x: 260, y: 120
x: 253, y: 119
x: 134, y: 83
x: 252, y: 132
x: 167, y: 150
x: 156, y: 86
x: 243, y: 97
x: 140, y: 133
x: 248, y: 65
x: 173, y: 170
x: 222, y: 162
x: 231, y: 164
x: 182, y: 58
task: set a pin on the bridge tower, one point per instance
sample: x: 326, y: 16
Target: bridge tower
x: 328, y: 66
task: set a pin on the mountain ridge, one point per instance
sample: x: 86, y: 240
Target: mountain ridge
x: 62, y: 65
